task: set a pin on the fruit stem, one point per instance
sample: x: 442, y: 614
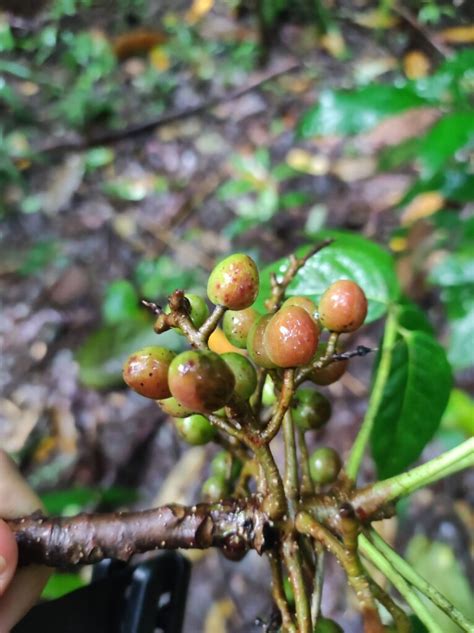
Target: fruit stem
x: 381, y: 377
x: 372, y: 554
x: 210, y: 324
x: 307, y: 486
x: 414, y: 578
x: 349, y: 559
x: 284, y: 402
x: 318, y: 583
x: 448, y: 463
x: 293, y: 561
x: 293, y: 266
x: 278, y: 593
x: 291, y: 482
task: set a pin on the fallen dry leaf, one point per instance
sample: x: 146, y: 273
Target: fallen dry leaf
x: 375, y: 19
x: 422, y: 206
x: 16, y: 425
x: 314, y: 164
x: 416, y: 64
x: 458, y: 35
x: 137, y: 42
x: 198, y: 10
x: 352, y: 169
x: 396, y: 130
x: 218, y: 615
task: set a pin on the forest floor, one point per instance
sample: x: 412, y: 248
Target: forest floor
x: 93, y: 216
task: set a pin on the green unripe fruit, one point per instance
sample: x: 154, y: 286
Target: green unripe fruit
x: 324, y: 465
x: 234, y: 282
x: 236, y: 325
x: 255, y: 347
x: 268, y: 393
x: 291, y: 337
x: 244, y: 374
x: 310, y: 409
x: 302, y: 302
x: 226, y: 466
x: 325, y: 625
x: 343, y: 306
x: 288, y: 591
x: 330, y: 373
x: 195, y: 430
x: 173, y: 408
x: 201, y: 381
x: 198, y: 310
x: 146, y: 372
x: 215, y: 488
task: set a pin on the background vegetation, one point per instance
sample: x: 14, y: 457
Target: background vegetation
x: 140, y: 143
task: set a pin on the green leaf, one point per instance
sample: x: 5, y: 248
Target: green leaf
x: 102, y: 355
x: 413, y: 401
x: 353, y: 111
x: 349, y: 257
x: 235, y: 188
x: 446, y: 137
x: 121, y: 303
x: 437, y: 563
x: 459, y: 414
x: 157, y: 278
x: 411, y: 317
x: 61, y: 583
x: 77, y: 499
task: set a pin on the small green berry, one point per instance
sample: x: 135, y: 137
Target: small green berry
x: 244, y: 374
x: 236, y: 325
x: 324, y: 465
x: 268, y: 393
x: 146, y: 372
x: 195, y: 430
x: 173, y: 408
x: 198, y: 311
x: 215, y: 488
x: 288, y: 591
x: 226, y: 466
x: 234, y: 282
x: 310, y: 409
x: 201, y: 381
x: 255, y: 346
x: 325, y: 625
x: 330, y: 373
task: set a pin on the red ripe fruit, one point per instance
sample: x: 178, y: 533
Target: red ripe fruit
x: 201, y: 381
x: 291, y: 337
x: 343, y: 306
x: 234, y: 282
x: 146, y: 372
x: 255, y: 346
x: 302, y: 302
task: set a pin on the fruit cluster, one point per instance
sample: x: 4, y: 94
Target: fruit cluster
x: 199, y: 385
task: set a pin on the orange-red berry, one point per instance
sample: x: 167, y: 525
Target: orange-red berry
x: 343, y: 306
x: 234, y: 282
x: 146, y: 372
x: 291, y: 337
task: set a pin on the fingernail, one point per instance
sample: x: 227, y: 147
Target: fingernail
x: 3, y: 564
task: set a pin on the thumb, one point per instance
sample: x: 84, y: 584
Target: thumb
x: 8, y: 556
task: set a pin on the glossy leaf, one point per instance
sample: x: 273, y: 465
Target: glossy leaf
x: 349, y: 257
x: 413, y: 401
x: 450, y: 134
x: 104, y: 352
x: 353, y: 111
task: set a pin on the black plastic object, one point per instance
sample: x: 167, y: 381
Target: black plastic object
x: 147, y: 598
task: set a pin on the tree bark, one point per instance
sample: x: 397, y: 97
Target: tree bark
x: 88, y: 538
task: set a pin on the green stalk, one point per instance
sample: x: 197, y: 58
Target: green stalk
x: 413, y: 577
x: 448, y: 463
x: 291, y: 482
x: 383, y: 371
x: 376, y: 496
x: 372, y: 554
